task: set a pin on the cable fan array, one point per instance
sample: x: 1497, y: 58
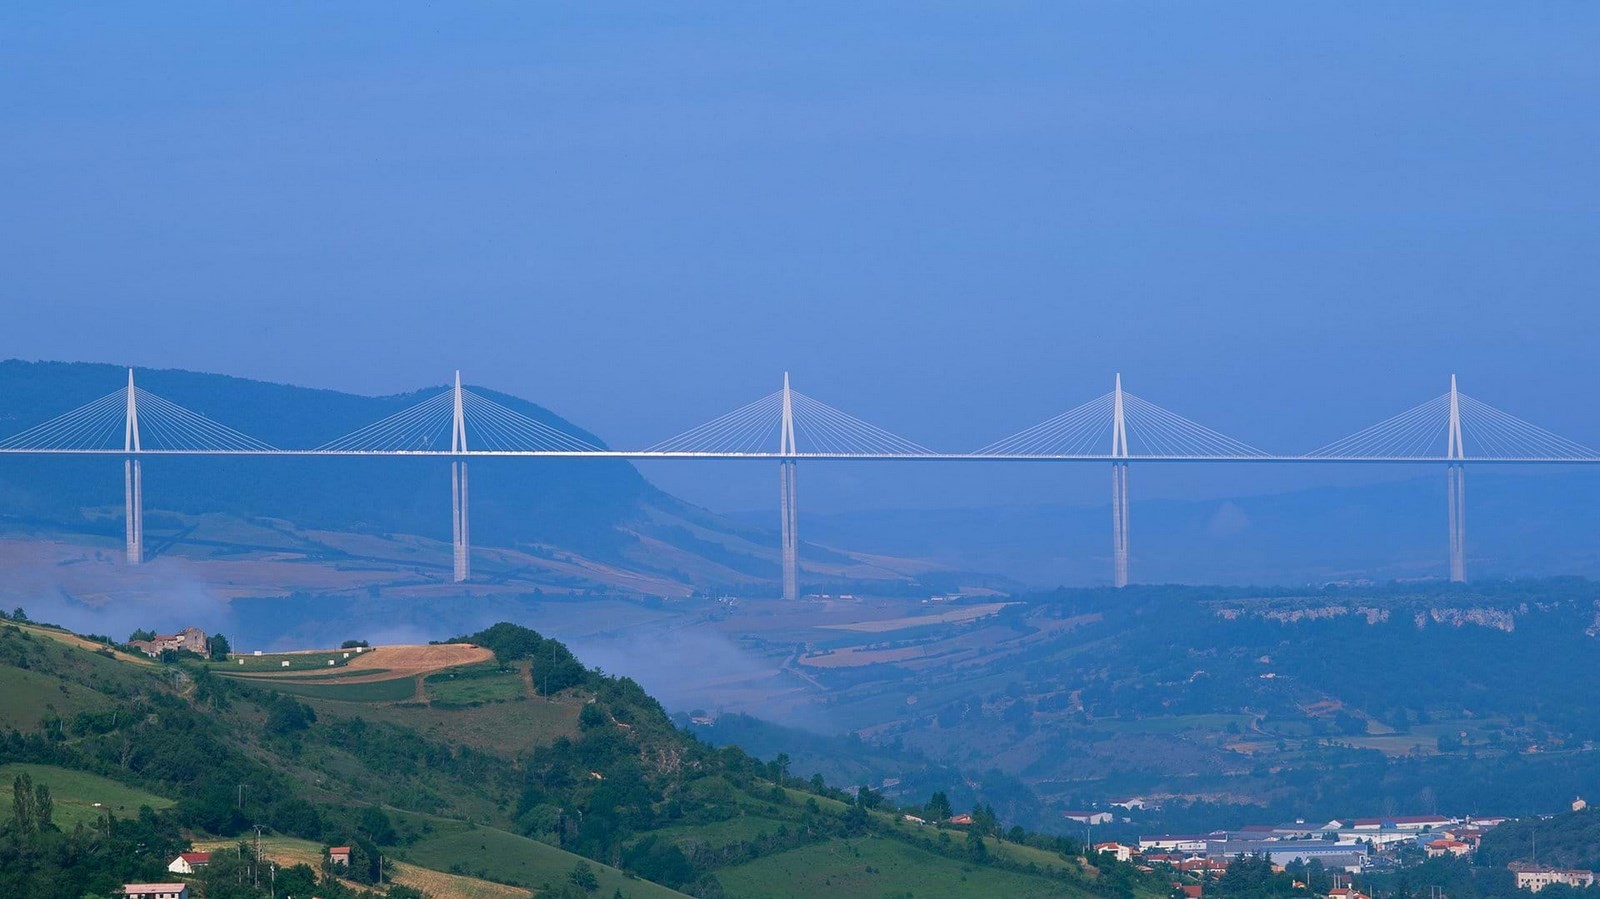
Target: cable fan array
x: 163, y: 426
x: 1086, y: 431
x: 1423, y: 432
x: 490, y: 427
x: 818, y: 428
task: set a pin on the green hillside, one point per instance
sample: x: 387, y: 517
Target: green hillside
x: 528, y: 769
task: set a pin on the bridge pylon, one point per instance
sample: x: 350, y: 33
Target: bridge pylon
x: 132, y: 479
x: 1456, y: 487
x: 1119, y: 488
x: 788, y: 498
x: 460, y: 530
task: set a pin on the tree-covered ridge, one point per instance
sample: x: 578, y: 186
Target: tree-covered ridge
x: 1567, y: 840
x: 1301, y: 703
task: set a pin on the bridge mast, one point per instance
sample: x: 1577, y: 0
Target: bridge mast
x: 788, y: 506
x: 1119, y: 489
x: 132, y: 479
x: 1456, y: 486
x: 460, y: 532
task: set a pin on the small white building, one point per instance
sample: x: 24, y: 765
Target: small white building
x: 1088, y: 817
x: 1406, y: 822
x: 1174, y: 842
x: 156, y: 890
x: 1116, y: 850
x: 1534, y: 878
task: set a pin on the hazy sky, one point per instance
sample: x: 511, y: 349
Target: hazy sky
x: 1283, y: 219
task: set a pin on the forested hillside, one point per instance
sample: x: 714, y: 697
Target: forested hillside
x: 569, y: 781
x: 1233, y: 705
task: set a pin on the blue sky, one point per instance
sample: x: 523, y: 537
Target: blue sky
x: 1283, y: 219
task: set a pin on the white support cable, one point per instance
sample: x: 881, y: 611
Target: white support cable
x: 1193, y: 438
x: 517, y: 429
x: 1045, y: 438
x: 818, y: 428
x: 1395, y: 437
x: 1423, y: 432
x: 748, y: 429
x: 68, y: 430
x: 99, y: 427
x: 187, y: 429
x: 1520, y: 438
x: 1156, y: 431
x: 163, y: 425
x: 412, y: 428
x: 846, y: 434
x: 730, y: 429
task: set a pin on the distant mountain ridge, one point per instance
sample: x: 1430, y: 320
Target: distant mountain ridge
x: 600, y: 509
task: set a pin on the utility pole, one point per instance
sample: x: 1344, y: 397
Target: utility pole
x: 461, y: 536
x: 132, y: 479
x: 788, y: 506
x: 1456, y: 486
x: 1119, y: 488
x: 256, y: 868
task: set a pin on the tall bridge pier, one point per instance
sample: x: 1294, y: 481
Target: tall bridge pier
x: 1456, y: 486
x: 1119, y: 488
x: 788, y: 499
x: 132, y: 479
x: 460, y: 530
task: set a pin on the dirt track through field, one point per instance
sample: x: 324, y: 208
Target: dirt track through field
x: 390, y: 663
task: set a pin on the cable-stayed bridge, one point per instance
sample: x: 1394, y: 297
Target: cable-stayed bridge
x: 787, y: 426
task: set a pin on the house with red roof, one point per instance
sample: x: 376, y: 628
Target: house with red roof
x: 189, y: 862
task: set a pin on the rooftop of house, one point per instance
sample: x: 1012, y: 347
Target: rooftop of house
x: 1403, y: 819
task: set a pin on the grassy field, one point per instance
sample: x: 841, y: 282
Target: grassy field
x: 26, y: 697
x: 312, y: 676
x: 395, y: 690
x: 74, y: 793
x: 744, y: 828
x: 878, y: 867
x: 488, y: 853
x: 72, y: 639
x: 503, y: 728
x: 471, y: 686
